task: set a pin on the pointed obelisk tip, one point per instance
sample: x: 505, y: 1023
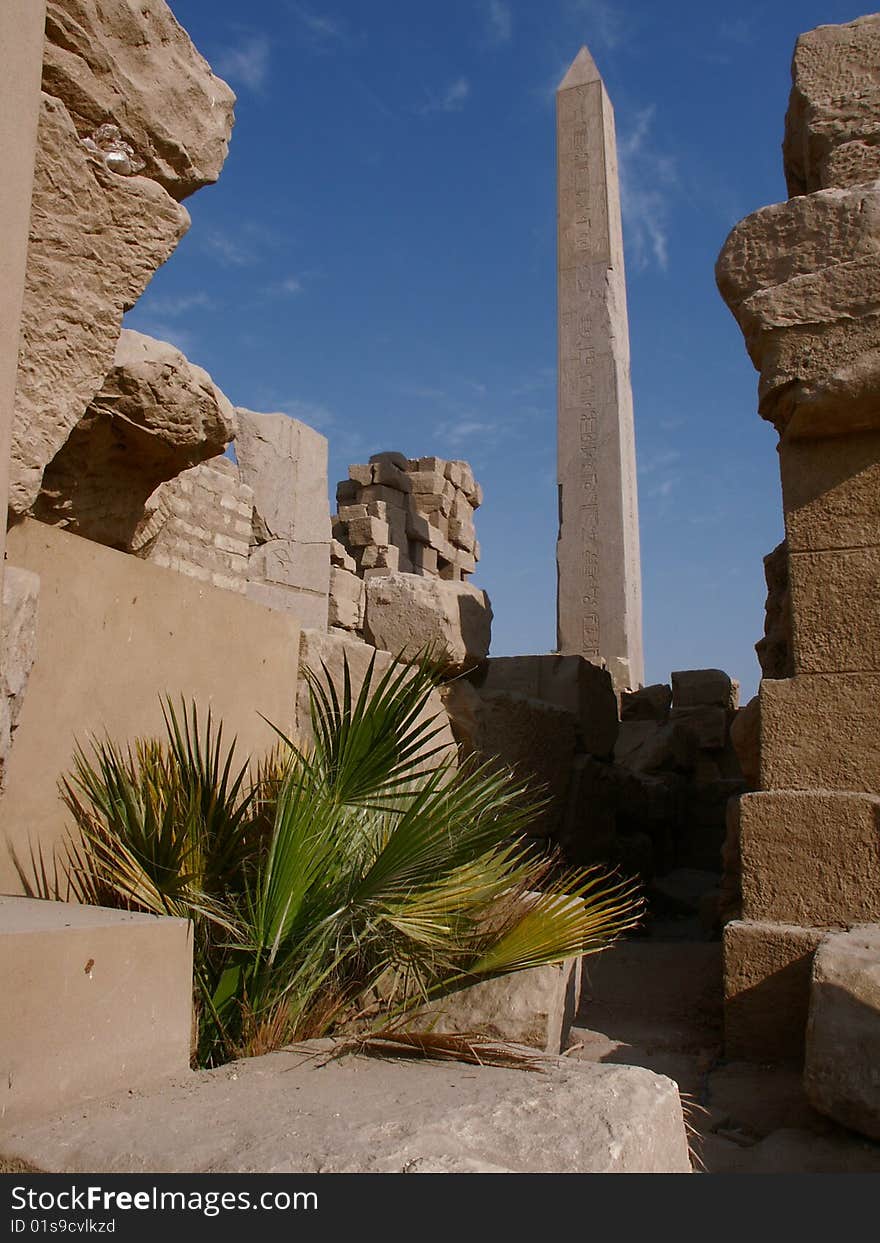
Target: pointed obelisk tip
x: 581, y: 71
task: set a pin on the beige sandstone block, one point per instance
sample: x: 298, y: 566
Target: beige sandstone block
x: 810, y: 857
x: 362, y: 475
x: 708, y: 725
x: 365, y: 531
x: 567, y: 682
x: 696, y: 688
x: 745, y: 735
x: 829, y: 491
x: 832, y: 121
x: 378, y: 492
x: 820, y: 731
x: 285, y: 463
x: 289, y: 564
x: 841, y: 1074
x: 767, y: 989
x: 835, y: 599
x: 309, y: 610
x: 649, y: 703
x: 18, y: 648
x: 406, y: 612
x: 95, y: 1002
x: 346, y: 603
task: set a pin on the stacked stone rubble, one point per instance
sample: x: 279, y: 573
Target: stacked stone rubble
x: 801, y: 278
x: 406, y: 515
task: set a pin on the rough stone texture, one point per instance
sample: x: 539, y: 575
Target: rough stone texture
x: 775, y: 650
x: 802, y: 280
x: 832, y: 128
x: 534, y: 1008
x: 766, y: 989
x: 810, y: 857
x: 347, y: 600
x: 568, y: 682
x: 534, y: 739
x: 130, y: 63
x: 294, y: 1112
x: 648, y: 747
x: 200, y: 525
x: 836, y: 610
x: 599, y: 598
x: 698, y: 688
x: 819, y: 732
x: 745, y: 735
x: 284, y: 462
x: 830, y: 491
x: 95, y: 1002
x: 730, y: 888
x: 96, y: 239
x: 114, y: 634
x: 332, y: 650
x: 707, y: 724
x: 156, y: 415
x: 649, y: 703
x: 406, y: 612
x: 18, y: 648
x: 842, y: 1064
x: 412, y: 515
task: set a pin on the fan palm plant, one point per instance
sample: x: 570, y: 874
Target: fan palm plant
x: 368, y: 864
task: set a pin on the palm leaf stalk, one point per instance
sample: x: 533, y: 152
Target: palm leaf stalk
x: 366, y: 866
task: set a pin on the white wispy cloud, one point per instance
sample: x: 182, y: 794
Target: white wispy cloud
x: 247, y: 63
x: 456, y: 433
x: 230, y: 251
x: 646, y: 178
x: 322, y: 29
x: 452, y: 99
x: 499, y: 22
x: 650, y: 463
x: 292, y: 285
x: 604, y: 23
x: 172, y: 305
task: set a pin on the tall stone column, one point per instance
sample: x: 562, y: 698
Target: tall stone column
x: 599, y: 595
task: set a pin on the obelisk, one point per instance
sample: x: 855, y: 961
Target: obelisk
x: 599, y: 593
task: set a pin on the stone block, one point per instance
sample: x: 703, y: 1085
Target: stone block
x: 390, y: 458
x: 767, y: 970
x: 707, y: 724
x: 289, y: 564
x: 534, y: 1007
x: 392, y: 497
x: 387, y: 475
x: 647, y: 747
x: 309, y: 609
x: 568, y: 682
x: 774, y: 650
x: 424, y: 559
x: 340, y: 558
x: 348, y: 513
x: 801, y: 278
x: 810, y: 857
x: 361, y: 475
x: 377, y: 1115
x: 406, y: 612
x: 842, y: 1063
x: 95, y: 1002
x: 537, y: 741
x: 18, y: 649
x: 831, y: 124
x: 285, y: 463
x: 649, y: 703
x: 745, y: 735
x: 835, y: 598
x: 698, y: 688
x: 829, y: 492
x: 346, y: 602
x: 820, y: 731
x: 365, y: 531
x: 347, y: 492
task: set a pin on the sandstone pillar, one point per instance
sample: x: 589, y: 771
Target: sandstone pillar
x: 599, y: 605
x: 797, y: 277
x: 21, y: 38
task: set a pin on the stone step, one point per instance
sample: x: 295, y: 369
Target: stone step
x: 95, y: 1002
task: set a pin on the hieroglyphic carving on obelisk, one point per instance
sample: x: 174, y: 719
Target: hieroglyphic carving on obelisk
x: 599, y: 595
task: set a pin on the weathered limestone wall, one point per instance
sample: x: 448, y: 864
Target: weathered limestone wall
x: 284, y: 463
x: 799, y: 277
x: 599, y: 604
x: 113, y: 634
x: 200, y: 524
x: 21, y: 37
x: 105, y: 211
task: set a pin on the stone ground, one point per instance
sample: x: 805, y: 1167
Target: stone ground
x: 744, y: 1118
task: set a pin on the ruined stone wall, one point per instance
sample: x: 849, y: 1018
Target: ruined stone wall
x: 798, y: 277
x: 200, y: 525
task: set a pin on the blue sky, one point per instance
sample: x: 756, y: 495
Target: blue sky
x: 378, y: 259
